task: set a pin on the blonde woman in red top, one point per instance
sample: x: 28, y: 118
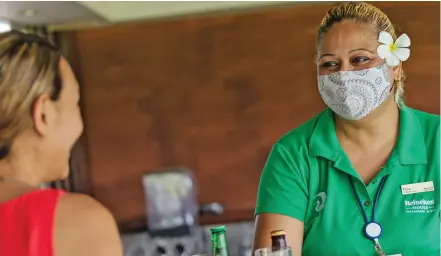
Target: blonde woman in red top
x: 39, y: 123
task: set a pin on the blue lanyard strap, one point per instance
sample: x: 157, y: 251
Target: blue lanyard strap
x: 366, y: 219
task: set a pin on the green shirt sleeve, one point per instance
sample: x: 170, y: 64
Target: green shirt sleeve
x: 283, y: 188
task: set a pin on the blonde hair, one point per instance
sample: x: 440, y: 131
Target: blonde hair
x: 365, y: 14
x: 29, y: 67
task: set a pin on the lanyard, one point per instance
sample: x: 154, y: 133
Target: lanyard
x: 372, y: 229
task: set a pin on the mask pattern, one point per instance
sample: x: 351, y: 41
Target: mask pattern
x: 354, y: 94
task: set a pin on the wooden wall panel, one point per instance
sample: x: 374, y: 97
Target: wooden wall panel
x: 213, y: 93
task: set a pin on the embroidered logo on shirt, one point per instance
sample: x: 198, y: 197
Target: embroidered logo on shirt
x: 319, y: 201
x: 419, y: 206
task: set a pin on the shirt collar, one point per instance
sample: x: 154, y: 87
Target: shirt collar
x: 324, y: 140
x: 410, y: 147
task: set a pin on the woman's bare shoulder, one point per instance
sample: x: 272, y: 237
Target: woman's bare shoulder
x: 83, y: 226
x: 72, y: 202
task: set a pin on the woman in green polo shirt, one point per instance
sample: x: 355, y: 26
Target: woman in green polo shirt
x: 362, y: 177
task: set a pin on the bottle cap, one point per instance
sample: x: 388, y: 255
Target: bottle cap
x: 218, y: 229
x: 279, y: 232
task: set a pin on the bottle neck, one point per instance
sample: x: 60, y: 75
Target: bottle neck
x: 219, y: 244
x: 278, y: 242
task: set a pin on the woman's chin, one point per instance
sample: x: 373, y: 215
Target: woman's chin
x: 64, y: 174
x: 61, y: 174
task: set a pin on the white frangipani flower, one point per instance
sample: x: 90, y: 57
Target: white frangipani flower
x: 393, y: 52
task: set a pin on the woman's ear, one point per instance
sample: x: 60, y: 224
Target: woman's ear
x: 397, y: 73
x: 43, y: 114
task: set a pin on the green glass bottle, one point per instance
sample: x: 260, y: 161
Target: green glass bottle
x: 219, y: 246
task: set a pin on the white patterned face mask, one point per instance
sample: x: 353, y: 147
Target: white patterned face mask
x: 354, y: 94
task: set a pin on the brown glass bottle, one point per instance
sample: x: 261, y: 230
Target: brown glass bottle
x: 278, y: 241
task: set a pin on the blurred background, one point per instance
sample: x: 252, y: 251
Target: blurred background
x: 202, y: 89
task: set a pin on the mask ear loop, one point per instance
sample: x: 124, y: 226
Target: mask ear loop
x: 396, y: 80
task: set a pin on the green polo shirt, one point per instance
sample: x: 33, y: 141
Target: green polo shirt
x: 306, y: 177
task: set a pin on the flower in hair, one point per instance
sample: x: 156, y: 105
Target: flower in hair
x: 393, y: 52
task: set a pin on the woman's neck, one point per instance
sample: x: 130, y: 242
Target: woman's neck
x: 379, y: 127
x: 15, y: 170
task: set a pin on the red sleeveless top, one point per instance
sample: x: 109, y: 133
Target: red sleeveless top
x: 27, y: 223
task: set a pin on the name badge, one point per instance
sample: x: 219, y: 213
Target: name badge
x: 395, y: 255
x: 417, y: 188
